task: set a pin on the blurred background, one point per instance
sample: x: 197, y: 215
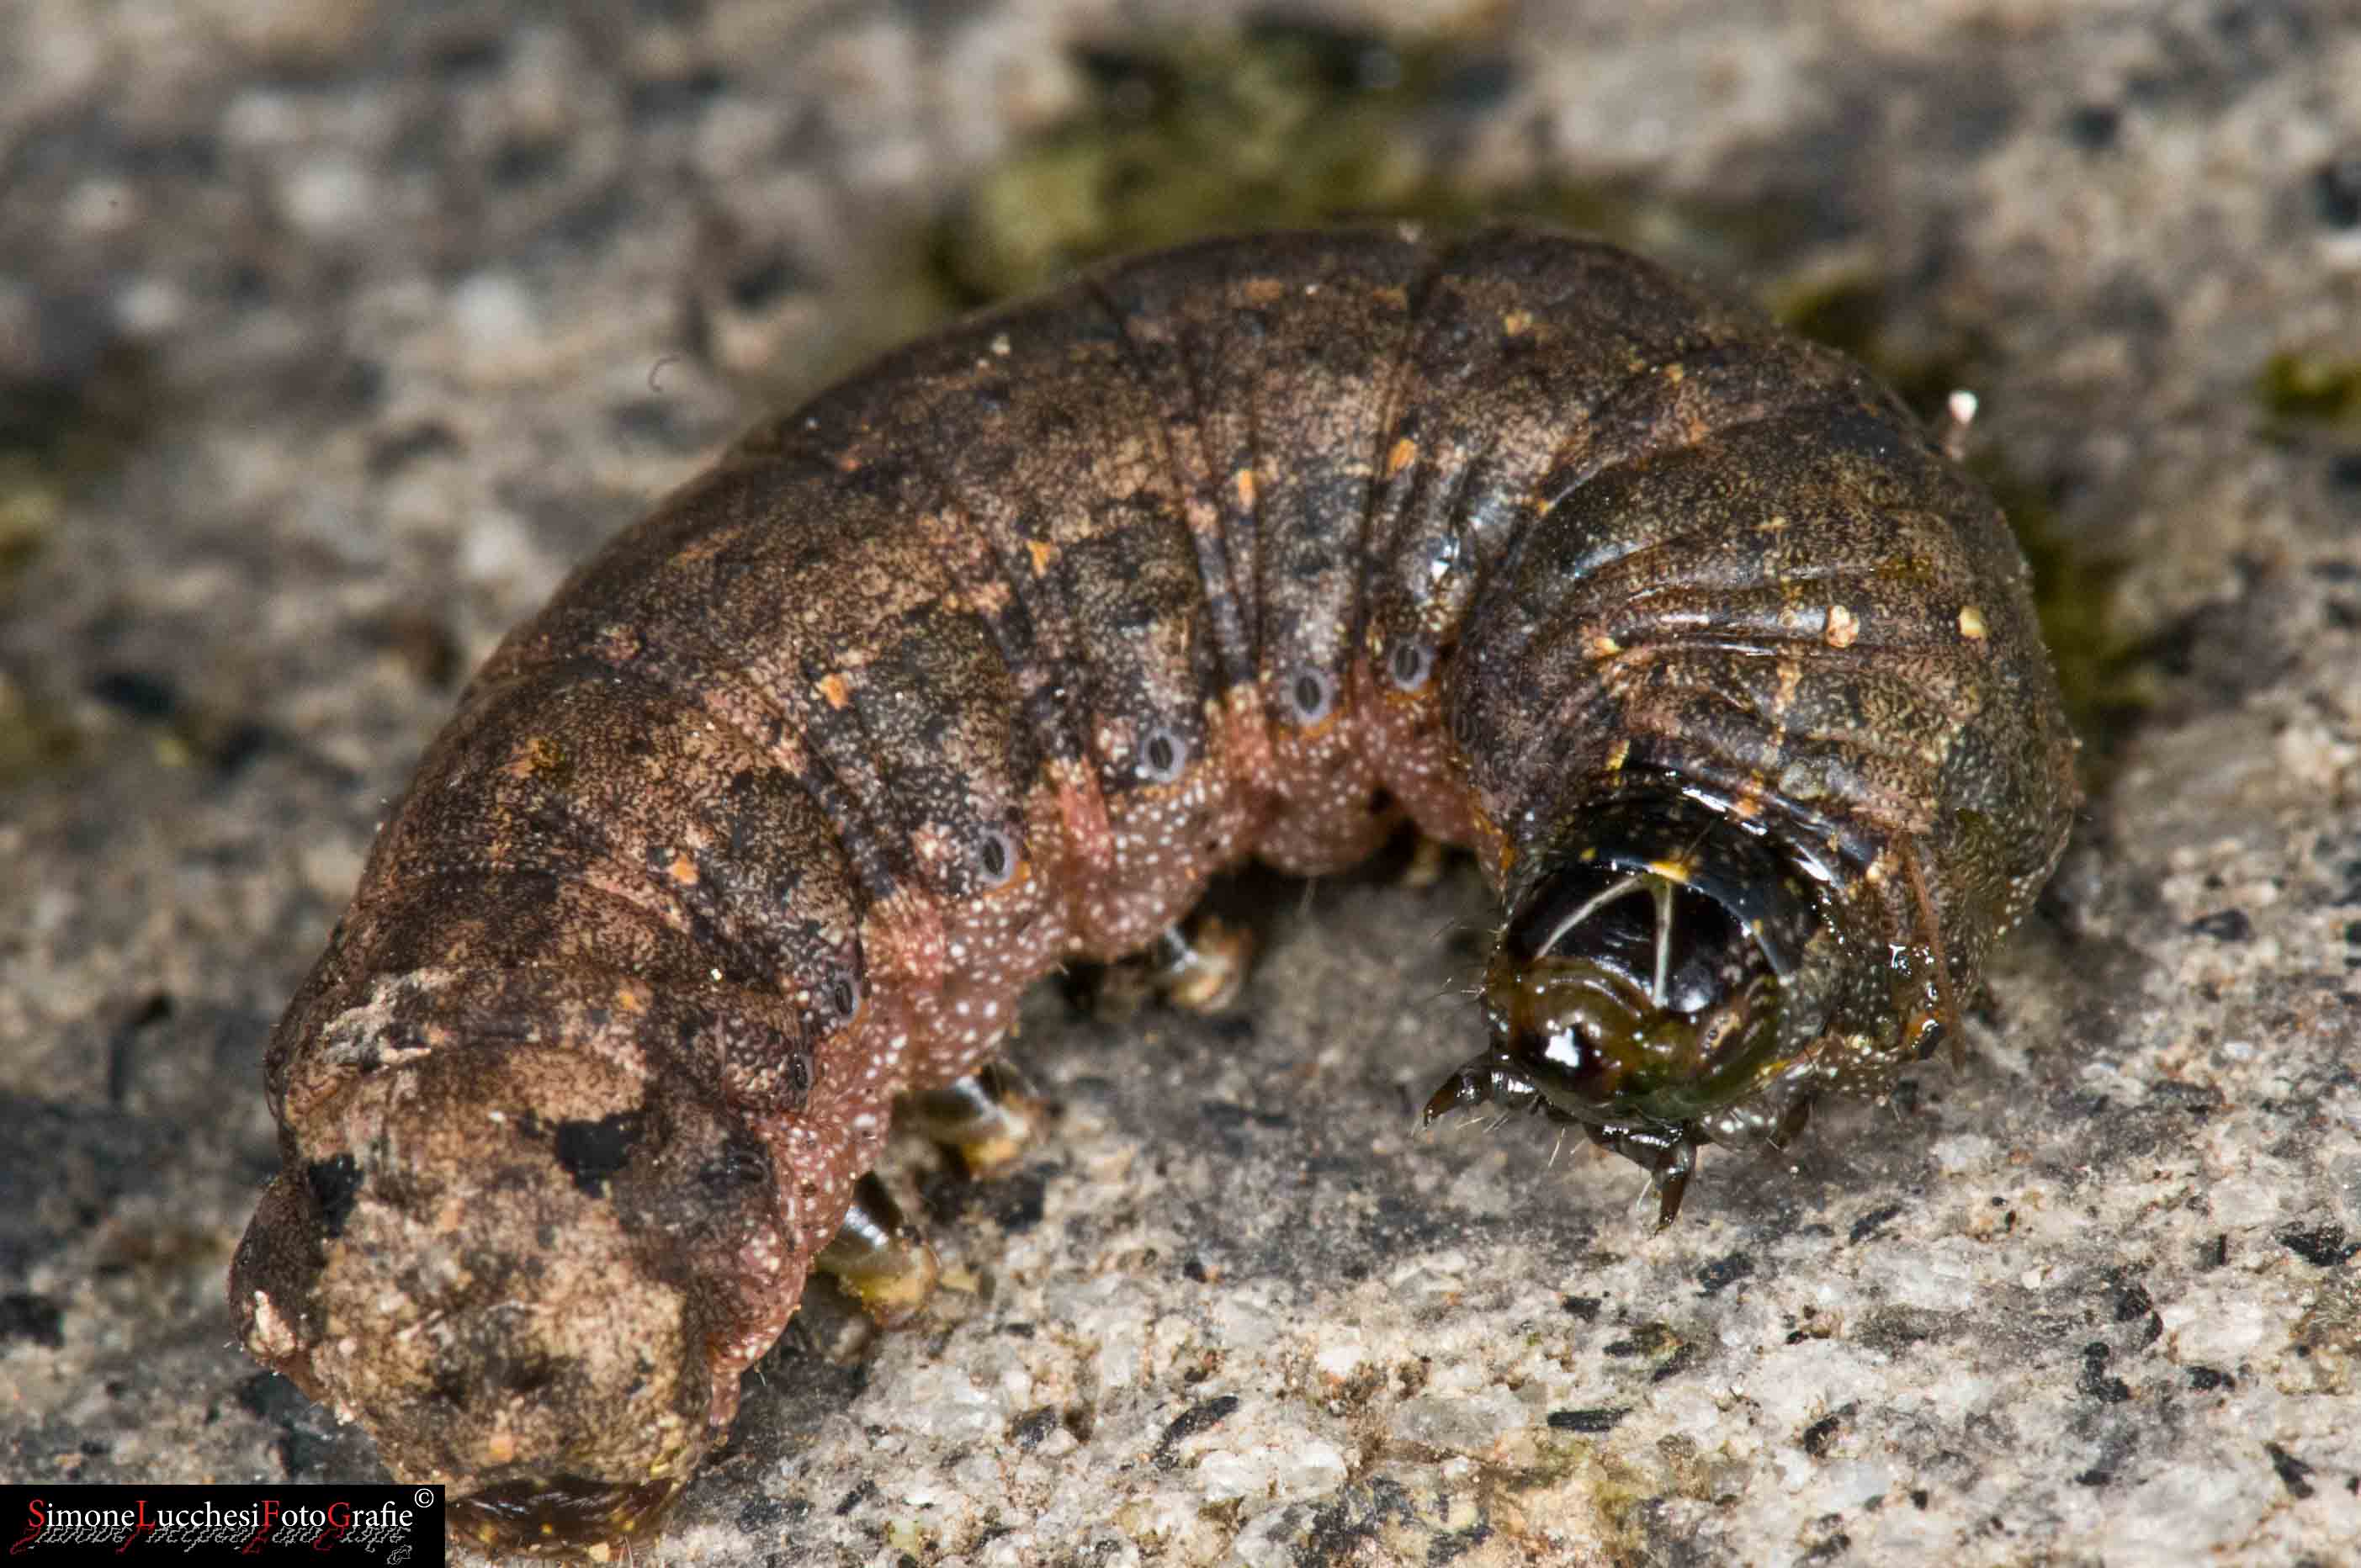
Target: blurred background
x: 333, y: 332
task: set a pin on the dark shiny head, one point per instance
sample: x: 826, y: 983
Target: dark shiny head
x: 1638, y: 985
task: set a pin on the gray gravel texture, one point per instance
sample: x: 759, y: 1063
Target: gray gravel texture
x: 332, y: 331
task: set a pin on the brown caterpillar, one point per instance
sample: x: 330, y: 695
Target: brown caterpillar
x: 990, y: 656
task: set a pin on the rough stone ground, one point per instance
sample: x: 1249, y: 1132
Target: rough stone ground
x: 331, y: 332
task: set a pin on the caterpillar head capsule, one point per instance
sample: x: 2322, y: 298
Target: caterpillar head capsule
x: 1645, y: 982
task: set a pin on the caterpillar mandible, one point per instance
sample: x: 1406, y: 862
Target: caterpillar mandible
x: 989, y: 656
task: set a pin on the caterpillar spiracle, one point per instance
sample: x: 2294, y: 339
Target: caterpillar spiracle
x: 986, y: 658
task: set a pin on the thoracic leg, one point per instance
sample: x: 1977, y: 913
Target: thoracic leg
x: 880, y: 1256
x: 1668, y: 1156
x: 1429, y: 859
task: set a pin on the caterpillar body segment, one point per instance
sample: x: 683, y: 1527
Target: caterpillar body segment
x: 988, y: 657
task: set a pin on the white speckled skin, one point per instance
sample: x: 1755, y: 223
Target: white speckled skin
x: 989, y: 658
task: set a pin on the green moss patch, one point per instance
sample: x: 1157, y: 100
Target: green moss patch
x: 2295, y: 388
x: 1281, y: 124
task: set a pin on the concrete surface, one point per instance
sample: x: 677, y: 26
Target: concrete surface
x: 332, y: 331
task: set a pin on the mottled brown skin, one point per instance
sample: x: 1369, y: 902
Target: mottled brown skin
x: 988, y: 658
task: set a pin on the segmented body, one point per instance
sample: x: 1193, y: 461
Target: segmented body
x: 988, y: 657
